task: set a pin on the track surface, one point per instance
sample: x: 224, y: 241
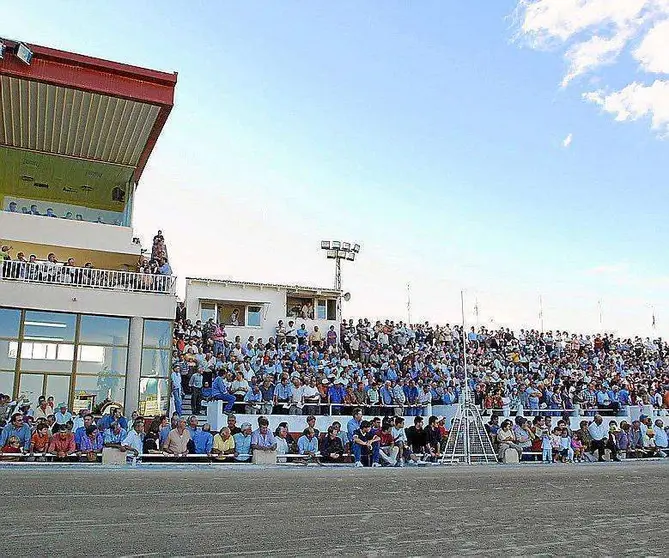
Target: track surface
x: 593, y: 510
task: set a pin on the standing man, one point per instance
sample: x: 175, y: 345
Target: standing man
x: 177, y: 393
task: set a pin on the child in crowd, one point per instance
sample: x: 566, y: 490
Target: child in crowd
x: 566, y: 453
x: 11, y: 449
x: 546, y: 446
x: 577, y: 446
x: 555, y: 443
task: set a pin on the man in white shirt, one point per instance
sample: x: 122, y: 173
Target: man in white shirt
x: 600, y: 438
x: 133, y: 444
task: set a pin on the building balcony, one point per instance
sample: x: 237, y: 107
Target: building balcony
x: 109, y: 246
x: 96, y: 291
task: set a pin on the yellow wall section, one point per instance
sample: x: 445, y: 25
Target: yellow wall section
x: 74, y: 181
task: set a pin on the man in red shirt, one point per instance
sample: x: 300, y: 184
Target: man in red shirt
x: 62, y: 444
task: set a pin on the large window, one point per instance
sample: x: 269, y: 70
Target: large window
x: 67, y: 356
x: 154, y: 388
x: 234, y: 314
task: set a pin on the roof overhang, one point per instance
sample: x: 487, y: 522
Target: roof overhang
x: 76, y: 106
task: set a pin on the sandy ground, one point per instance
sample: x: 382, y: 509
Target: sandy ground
x: 592, y: 510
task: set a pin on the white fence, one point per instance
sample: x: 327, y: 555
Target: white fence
x: 57, y: 274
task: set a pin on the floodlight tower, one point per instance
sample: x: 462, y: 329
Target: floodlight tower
x: 338, y: 251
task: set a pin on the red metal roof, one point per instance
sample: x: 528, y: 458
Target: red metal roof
x: 99, y: 80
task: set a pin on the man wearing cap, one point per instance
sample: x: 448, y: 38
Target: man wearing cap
x: 62, y: 416
x: 336, y: 394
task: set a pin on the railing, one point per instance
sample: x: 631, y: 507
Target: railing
x: 56, y: 274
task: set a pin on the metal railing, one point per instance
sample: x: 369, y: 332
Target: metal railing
x: 57, y: 274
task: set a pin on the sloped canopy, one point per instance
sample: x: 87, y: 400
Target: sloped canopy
x: 82, y: 108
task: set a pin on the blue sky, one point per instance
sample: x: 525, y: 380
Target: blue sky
x: 430, y: 132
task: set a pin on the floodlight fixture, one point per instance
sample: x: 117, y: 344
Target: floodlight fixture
x: 346, y: 246
x: 331, y: 254
x: 341, y: 254
x: 356, y: 248
x: 350, y: 256
x: 336, y: 245
x: 325, y: 244
x: 24, y: 54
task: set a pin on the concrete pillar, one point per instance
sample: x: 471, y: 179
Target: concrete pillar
x: 134, y: 365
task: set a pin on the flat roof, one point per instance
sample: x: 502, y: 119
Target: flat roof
x: 77, y: 106
x: 300, y: 288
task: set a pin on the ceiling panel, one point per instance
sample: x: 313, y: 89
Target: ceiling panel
x: 62, y: 121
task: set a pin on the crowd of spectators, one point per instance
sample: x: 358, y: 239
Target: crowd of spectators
x: 52, y: 270
x: 392, y: 368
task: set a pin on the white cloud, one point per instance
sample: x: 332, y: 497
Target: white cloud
x: 566, y: 142
x: 637, y: 101
x: 594, y: 33
x: 593, y: 53
x: 653, y: 52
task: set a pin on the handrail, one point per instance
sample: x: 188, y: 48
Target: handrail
x: 56, y: 274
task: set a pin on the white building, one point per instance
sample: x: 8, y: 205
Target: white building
x: 75, y: 136
x: 248, y: 308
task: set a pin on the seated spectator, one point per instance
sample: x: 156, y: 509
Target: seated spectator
x: 16, y: 427
x: 600, y: 439
x: 661, y: 441
x: 43, y: 409
x: 115, y: 415
x: 203, y: 441
x: 62, y: 443
x: 219, y: 391
x: 90, y: 444
x: 417, y: 439
x: 388, y: 451
x: 365, y: 446
x: 433, y: 439
x: 243, y: 443
x: 81, y: 432
x: 39, y: 441
x: 307, y: 445
x: 262, y: 439
x: 62, y: 415
x: 332, y: 448
x: 133, y: 444
x: 11, y: 450
x: 253, y: 399
x: 506, y: 439
x: 224, y: 444
x: 232, y: 425
x: 282, y: 438
x: 177, y: 440
x: 114, y: 435
x: 151, y: 442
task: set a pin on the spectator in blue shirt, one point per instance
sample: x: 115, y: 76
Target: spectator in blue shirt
x: 243, y: 443
x: 80, y: 432
x: 354, y: 423
x: 219, y: 391
x: 17, y: 428
x: 283, y: 392
x: 336, y: 394
x: 114, y: 435
x: 307, y: 444
x: 114, y: 416
x: 203, y: 440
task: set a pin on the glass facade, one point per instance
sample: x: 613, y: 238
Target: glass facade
x: 78, y: 359
x: 154, y: 388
